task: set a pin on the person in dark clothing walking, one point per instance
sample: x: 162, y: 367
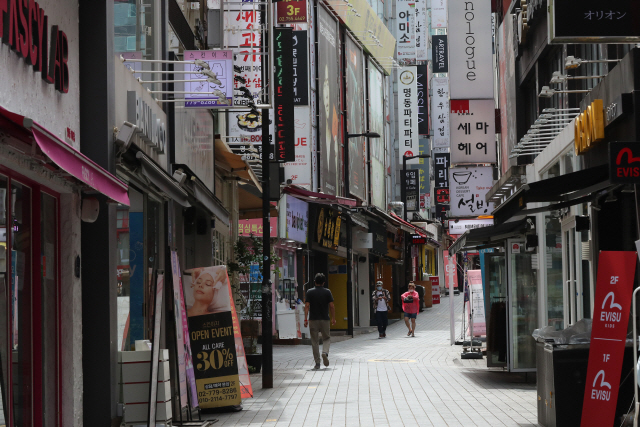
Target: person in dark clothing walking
x: 381, y: 299
x: 318, y: 304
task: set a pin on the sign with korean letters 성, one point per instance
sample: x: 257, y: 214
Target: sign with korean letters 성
x: 408, y: 112
x: 469, y: 186
x: 473, y: 138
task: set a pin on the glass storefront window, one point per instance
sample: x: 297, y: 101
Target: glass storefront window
x: 523, y: 309
x: 48, y: 239
x: 135, y: 27
x: 20, y: 337
x: 555, y: 301
x: 4, y: 298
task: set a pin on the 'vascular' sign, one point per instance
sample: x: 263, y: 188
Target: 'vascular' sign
x: 614, y: 286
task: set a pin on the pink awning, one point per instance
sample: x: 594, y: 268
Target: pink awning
x: 72, y: 161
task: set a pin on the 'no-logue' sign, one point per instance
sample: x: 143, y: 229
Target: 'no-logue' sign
x: 614, y: 287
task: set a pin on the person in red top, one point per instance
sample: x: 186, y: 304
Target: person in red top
x: 410, y: 306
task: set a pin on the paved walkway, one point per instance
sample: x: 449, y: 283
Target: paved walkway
x: 393, y: 382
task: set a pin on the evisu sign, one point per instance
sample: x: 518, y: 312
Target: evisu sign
x: 616, y: 271
x: 624, y: 162
x: 24, y: 27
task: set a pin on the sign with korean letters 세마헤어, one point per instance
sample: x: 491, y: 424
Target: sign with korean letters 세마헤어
x: 440, y: 112
x: 473, y: 138
x: 614, y: 287
x: 469, y: 186
x: 408, y: 113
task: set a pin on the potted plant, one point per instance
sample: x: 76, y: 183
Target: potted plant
x: 247, y: 253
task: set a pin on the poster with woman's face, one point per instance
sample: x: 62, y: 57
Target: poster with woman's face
x: 207, y: 292
x: 376, y: 124
x: 355, y: 119
x: 329, y: 130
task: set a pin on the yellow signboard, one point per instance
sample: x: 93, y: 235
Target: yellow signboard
x: 589, y: 127
x: 368, y: 29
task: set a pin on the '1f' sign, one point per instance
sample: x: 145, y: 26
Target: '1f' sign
x: 614, y: 286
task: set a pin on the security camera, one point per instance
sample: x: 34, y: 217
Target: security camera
x: 124, y: 135
x: 180, y: 176
x: 289, y: 182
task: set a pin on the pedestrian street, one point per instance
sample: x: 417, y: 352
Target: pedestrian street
x: 396, y: 381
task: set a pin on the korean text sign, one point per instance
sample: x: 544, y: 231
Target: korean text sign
x: 473, y: 136
x: 469, y: 186
x: 406, y: 31
x: 441, y: 176
x: 614, y: 286
x: 284, y: 110
x: 209, y: 92
x: 408, y: 113
x: 411, y: 189
x: 440, y: 112
x: 470, y: 49
x: 291, y: 11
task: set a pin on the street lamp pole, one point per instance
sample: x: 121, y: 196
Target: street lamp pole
x: 349, y: 233
x: 403, y: 188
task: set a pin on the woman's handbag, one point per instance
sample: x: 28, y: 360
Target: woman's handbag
x: 408, y: 300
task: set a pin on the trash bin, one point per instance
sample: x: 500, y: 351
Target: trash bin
x: 561, y: 376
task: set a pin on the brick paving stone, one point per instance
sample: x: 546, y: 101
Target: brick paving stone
x: 395, y: 381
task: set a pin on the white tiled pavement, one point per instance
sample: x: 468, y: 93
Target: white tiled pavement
x: 397, y: 381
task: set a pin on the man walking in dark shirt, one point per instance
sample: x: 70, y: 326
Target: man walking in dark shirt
x: 318, y: 304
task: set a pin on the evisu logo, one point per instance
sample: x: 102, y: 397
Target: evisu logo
x: 25, y: 29
x: 607, y: 315
x: 627, y: 171
x: 600, y: 391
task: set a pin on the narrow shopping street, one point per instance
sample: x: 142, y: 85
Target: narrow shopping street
x: 390, y: 382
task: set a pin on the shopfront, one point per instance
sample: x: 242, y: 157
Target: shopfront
x: 511, y: 291
x: 47, y: 188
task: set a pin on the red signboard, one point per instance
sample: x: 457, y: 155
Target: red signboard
x: 435, y: 289
x: 290, y: 11
x: 614, y: 286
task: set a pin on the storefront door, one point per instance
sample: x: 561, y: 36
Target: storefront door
x: 29, y: 305
x: 496, y: 308
x: 522, y: 307
x: 574, y: 292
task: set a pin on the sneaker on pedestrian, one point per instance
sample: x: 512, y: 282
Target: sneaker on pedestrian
x: 380, y: 336
x: 325, y: 359
x: 317, y: 366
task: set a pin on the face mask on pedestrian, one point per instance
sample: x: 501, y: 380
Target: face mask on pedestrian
x: 379, y: 287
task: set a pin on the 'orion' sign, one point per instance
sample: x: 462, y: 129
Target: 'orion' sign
x: 24, y: 27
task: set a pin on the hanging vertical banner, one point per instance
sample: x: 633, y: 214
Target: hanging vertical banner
x: 356, y: 169
x: 300, y: 80
x: 473, y: 135
x: 423, y: 99
x: 285, y: 150
x: 291, y: 11
x: 222, y: 376
x: 435, y: 289
x: 246, y: 126
x: 299, y: 171
x: 422, y: 39
x: 182, y: 330
x: 425, y: 182
x: 329, y: 128
x: 614, y: 286
x: 470, y: 49
x: 408, y: 113
x: 377, y: 145
x: 410, y: 182
x: 441, y: 181
x: 451, y: 275
x: 477, y: 303
x: 438, y: 13
x: 406, y: 31
x: 439, y: 52
x: 440, y: 112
